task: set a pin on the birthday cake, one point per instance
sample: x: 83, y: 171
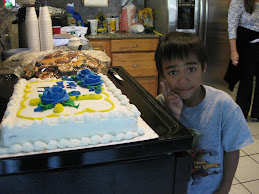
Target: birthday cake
x: 81, y: 110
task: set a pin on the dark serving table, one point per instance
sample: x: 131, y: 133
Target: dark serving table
x: 160, y: 165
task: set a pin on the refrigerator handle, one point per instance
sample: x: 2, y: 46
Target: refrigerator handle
x: 203, y: 23
x: 206, y: 21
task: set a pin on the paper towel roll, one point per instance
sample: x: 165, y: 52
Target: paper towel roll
x: 96, y: 3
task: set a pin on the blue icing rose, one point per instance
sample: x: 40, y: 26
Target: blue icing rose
x: 88, y: 78
x: 74, y: 93
x: 71, y: 85
x: 54, y: 95
x: 60, y: 83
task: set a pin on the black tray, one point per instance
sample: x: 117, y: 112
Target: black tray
x: 173, y: 136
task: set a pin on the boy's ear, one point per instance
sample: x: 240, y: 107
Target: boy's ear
x: 205, y: 67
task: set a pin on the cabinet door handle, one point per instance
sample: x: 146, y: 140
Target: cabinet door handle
x: 137, y: 65
x: 134, y: 45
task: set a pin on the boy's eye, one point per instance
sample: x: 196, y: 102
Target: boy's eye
x: 191, y: 69
x: 172, y: 73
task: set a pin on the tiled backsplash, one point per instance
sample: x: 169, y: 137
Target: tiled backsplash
x: 113, y: 8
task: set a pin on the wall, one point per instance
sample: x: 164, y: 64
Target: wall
x: 114, y: 7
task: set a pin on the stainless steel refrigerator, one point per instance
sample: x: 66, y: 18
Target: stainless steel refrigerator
x: 206, y: 18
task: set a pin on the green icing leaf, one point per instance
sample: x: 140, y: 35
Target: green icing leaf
x: 73, y: 77
x: 45, y: 106
x: 70, y: 103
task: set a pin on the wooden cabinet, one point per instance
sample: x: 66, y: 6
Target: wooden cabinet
x: 136, y: 45
x: 136, y: 56
x: 137, y: 64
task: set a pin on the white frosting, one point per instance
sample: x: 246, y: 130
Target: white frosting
x: 52, y: 145
x: 70, y: 129
x: 85, y: 141
x: 39, y: 146
x: 73, y: 143
x: 28, y: 147
x: 119, y: 137
x: 63, y: 143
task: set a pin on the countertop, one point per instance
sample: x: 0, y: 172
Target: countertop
x: 122, y: 35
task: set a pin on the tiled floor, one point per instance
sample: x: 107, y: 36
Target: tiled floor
x: 246, y: 179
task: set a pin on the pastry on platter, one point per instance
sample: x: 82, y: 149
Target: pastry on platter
x: 60, y: 63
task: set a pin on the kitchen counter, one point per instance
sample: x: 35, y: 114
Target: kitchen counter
x: 122, y: 35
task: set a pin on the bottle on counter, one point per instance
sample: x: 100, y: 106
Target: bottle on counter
x: 117, y: 27
x: 69, y: 18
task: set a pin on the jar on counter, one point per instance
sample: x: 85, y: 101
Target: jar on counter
x: 111, y: 25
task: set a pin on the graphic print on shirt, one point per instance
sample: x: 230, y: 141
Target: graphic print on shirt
x: 202, y: 168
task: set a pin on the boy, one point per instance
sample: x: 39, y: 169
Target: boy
x: 219, y: 122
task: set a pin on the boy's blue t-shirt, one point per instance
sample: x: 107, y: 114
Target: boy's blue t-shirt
x: 219, y: 125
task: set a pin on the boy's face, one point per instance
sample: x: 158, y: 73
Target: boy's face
x: 184, y: 78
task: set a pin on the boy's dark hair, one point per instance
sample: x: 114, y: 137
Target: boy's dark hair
x: 179, y: 45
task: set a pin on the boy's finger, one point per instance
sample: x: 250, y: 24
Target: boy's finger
x: 163, y: 88
x: 167, y: 87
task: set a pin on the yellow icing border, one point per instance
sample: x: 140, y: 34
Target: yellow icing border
x: 27, y: 91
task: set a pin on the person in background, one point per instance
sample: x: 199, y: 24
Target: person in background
x: 243, y: 29
x: 219, y: 126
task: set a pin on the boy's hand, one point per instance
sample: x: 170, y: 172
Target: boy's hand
x: 173, y: 102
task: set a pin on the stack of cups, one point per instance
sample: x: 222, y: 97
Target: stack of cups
x: 45, y: 28
x: 32, y: 29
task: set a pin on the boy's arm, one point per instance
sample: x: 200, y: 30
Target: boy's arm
x: 230, y: 165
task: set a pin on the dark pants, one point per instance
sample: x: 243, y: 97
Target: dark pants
x: 249, y: 64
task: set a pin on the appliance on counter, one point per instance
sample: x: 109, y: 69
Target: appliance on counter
x: 207, y: 19
x: 59, y: 20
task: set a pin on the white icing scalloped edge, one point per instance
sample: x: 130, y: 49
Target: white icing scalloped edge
x: 39, y: 146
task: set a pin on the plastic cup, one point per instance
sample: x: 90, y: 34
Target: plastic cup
x: 56, y: 29
x: 45, y: 22
x: 31, y: 13
x: 93, y: 26
x: 44, y: 13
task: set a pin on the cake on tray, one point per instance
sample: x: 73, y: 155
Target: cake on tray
x: 81, y: 110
